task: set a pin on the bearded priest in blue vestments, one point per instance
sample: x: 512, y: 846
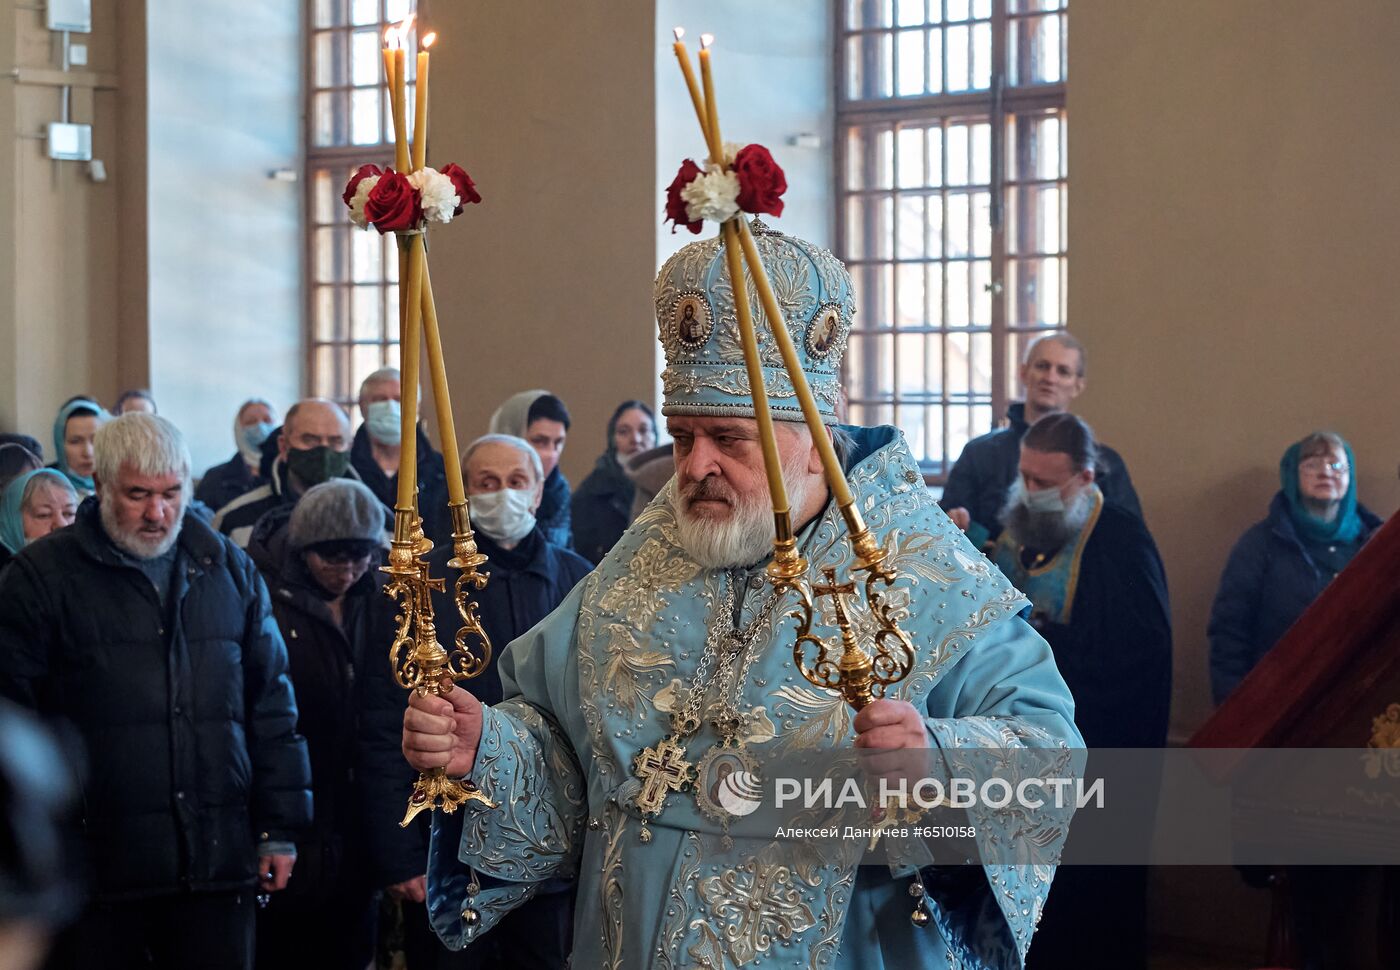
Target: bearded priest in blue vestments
x: 680, y: 619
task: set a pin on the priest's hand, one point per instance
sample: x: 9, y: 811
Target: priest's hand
x: 961, y: 517
x: 890, y: 725
x: 442, y: 732
x: 894, y: 734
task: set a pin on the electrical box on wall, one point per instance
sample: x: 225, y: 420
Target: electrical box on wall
x: 70, y: 142
x: 70, y: 15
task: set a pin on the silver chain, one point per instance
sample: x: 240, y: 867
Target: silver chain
x: 687, y: 721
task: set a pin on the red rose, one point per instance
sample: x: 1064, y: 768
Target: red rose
x: 462, y: 182
x: 761, y: 181
x: 362, y: 173
x: 394, y: 205
x: 675, y: 205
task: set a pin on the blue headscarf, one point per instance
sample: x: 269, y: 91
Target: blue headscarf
x: 1345, y: 527
x: 12, y: 504
x: 60, y: 427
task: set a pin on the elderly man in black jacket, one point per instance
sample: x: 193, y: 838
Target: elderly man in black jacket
x: 153, y: 637
x: 528, y: 577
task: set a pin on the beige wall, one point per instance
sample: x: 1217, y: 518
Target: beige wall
x: 547, y: 283
x: 68, y: 241
x: 1233, y: 230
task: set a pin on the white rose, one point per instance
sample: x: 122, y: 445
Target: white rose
x: 713, y: 196
x: 438, y: 193
x: 731, y: 149
x: 357, y: 204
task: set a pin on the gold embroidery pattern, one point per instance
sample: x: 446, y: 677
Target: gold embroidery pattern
x: 754, y: 903
x: 825, y: 715
x: 678, y: 903
x: 615, y: 820
x: 627, y: 662
x: 640, y: 595
x: 735, y: 381
x: 831, y: 921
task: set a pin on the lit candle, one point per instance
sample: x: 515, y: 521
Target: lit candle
x: 835, y: 477
x: 711, y: 112
x: 420, y: 106
x: 772, y: 463
x: 409, y: 352
x: 456, y: 492
x: 683, y: 56
x: 388, y: 53
x: 401, y: 158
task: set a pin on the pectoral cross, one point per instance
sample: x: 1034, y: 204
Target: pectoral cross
x: 662, y: 769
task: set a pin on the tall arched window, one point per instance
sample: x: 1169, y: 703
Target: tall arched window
x: 951, y: 207
x: 352, y: 275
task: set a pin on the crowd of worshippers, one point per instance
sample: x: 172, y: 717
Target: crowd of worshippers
x: 225, y: 649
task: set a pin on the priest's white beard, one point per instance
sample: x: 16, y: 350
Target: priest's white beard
x: 137, y: 542
x: 746, y: 536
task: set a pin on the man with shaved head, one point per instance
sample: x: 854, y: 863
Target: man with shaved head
x: 314, y: 448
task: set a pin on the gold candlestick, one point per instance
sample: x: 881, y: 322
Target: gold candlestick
x: 863, y: 670
x: 419, y: 661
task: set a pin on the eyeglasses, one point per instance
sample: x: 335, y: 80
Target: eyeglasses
x: 344, y: 557
x: 1319, y: 466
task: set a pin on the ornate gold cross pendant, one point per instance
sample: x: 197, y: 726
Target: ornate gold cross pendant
x: 662, y: 769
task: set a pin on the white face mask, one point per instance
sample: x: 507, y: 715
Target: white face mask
x: 382, y: 418
x: 1043, y: 500
x: 505, y: 515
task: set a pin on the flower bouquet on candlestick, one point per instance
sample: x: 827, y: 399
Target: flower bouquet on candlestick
x: 747, y: 180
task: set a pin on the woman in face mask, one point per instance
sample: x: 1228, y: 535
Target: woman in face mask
x: 33, y: 505
x: 541, y: 419
x: 221, y: 484
x: 528, y: 576
x: 73, y: 431
x: 602, y: 506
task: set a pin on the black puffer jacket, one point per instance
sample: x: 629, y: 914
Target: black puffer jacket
x: 327, y: 666
x: 189, y: 722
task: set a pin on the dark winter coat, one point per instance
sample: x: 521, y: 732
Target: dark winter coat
x: 1116, y: 652
x: 602, y: 508
x: 1269, y: 581
x: 187, y: 712
x: 327, y: 664
x: 224, y: 483
x: 983, y: 473
x: 553, y: 516
x: 432, y: 483
x: 525, y: 584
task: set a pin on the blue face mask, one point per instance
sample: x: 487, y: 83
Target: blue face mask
x: 384, y: 421
x: 1043, y: 500
x: 250, y: 441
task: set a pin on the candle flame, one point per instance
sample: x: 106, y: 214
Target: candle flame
x: 396, y: 35
x: 679, y: 32
x: 706, y: 40
x: 430, y: 39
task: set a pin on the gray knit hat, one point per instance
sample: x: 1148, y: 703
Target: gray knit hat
x: 336, y: 511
